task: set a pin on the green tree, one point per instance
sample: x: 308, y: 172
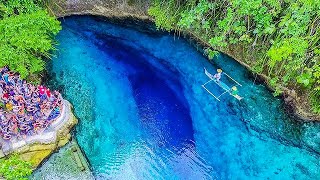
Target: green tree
x: 26, y: 38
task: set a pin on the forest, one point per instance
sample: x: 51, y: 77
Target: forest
x: 276, y: 38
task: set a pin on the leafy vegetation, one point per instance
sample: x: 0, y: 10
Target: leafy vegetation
x: 14, y: 168
x: 280, y: 39
x: 26, y: 37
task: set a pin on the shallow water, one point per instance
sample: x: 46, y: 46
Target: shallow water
x: 144, y: 114
x: 61, y: 165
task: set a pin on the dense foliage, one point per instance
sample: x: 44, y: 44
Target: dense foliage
x: 26, y: 36
x: 278, y: 38
x: 14, y: 168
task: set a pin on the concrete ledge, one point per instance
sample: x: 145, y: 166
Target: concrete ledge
x: 36, y: 148
x: 48, y: 136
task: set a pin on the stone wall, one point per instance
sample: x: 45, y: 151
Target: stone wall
x: 107, y: 8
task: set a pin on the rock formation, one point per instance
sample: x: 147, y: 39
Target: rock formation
x: 42, y: 145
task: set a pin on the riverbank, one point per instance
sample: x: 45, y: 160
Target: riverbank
x: 136, y: 12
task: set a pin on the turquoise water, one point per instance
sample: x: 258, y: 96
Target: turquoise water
x: 144, y: 114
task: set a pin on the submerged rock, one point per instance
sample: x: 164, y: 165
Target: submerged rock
x: 68, y: 163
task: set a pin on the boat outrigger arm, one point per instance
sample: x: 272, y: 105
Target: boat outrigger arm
x: 225, y: 87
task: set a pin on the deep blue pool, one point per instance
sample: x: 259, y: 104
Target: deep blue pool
x: 144, y: 115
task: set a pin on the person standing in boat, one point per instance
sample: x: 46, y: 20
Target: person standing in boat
x: 217, y: 76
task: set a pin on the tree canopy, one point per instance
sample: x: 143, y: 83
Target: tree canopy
x: 280, y: 39
x: 26, y: 37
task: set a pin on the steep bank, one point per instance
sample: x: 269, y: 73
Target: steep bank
x: 134, y: 9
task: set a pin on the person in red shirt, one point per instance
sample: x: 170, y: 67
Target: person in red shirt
x: 5, y: 95
x: 48, y: 93
x: 41, y: 90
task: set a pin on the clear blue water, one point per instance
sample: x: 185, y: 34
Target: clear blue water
x: 144, y: 114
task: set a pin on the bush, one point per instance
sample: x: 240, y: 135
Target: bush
x: 14, y: 168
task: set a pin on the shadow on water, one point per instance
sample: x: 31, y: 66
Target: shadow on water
x: 162, y: 109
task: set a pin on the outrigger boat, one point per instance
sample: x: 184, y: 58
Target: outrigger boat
x: 224, y: 86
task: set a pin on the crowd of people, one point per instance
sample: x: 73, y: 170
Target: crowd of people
x: 25, y: 109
